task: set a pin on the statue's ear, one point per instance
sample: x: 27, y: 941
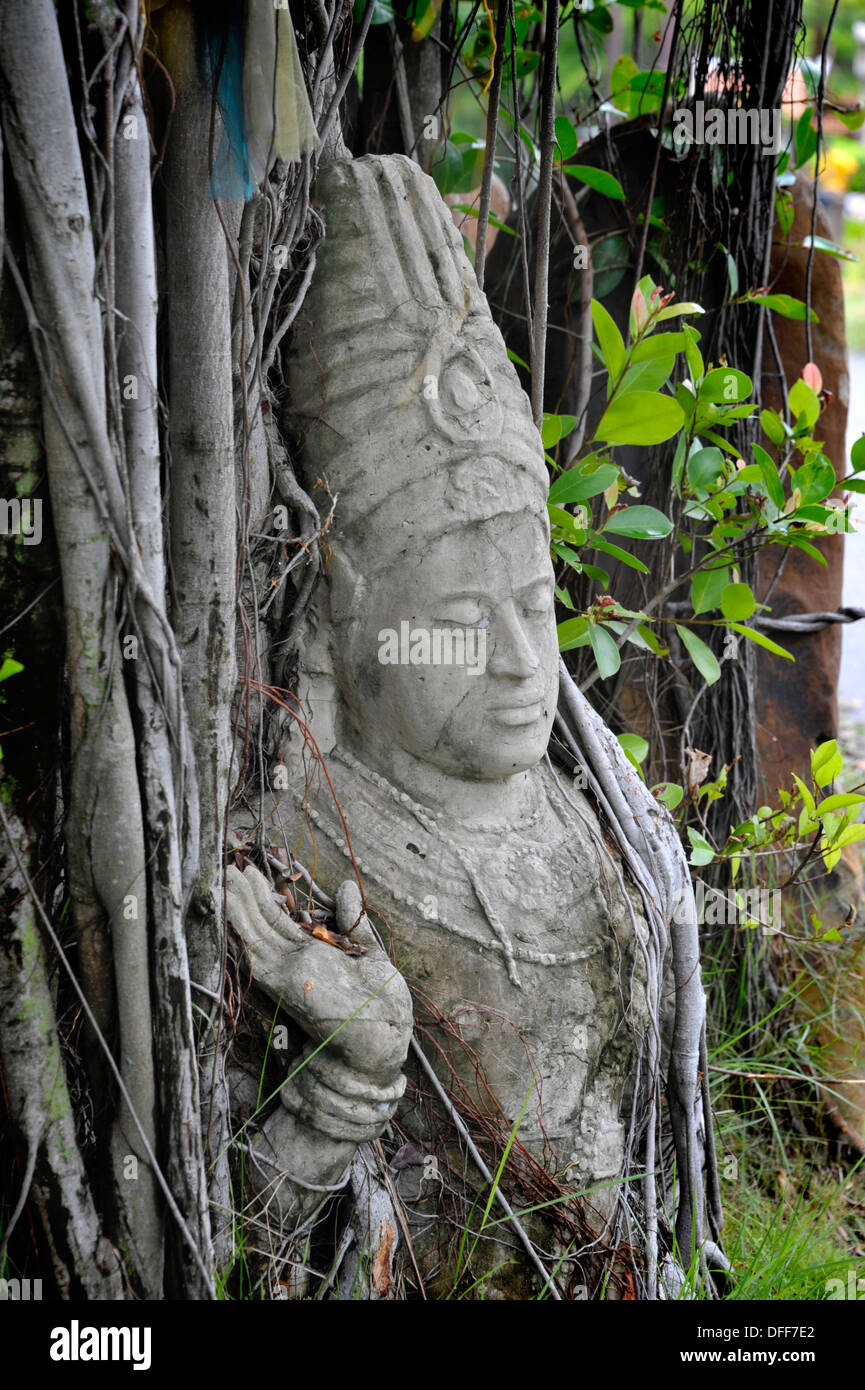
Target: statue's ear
x: 346, y: 587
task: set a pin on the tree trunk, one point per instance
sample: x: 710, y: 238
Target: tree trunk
x: 203, y: 526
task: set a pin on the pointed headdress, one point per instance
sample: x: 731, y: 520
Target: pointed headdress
x: 400, y: 381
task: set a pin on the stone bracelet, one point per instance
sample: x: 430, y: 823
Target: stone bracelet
x: 338, y: 1102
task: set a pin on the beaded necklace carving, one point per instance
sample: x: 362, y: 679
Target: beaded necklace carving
x: 501, y: 941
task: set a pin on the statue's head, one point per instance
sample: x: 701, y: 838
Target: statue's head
x: 439, y: 585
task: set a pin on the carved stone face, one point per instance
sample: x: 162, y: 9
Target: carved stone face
x: 483, y: 593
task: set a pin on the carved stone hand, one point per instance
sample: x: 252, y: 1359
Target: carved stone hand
x: 359, y: 1007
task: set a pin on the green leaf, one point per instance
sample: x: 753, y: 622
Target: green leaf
x: 10, y: 667
x: 623, y: 556
x: 600, y: 19
x: 771, y: 476
x: 635, y: 745
x: 732, y: 273
x: 707, y: 587
x: 848, y: 836
x: 640, y: 417
x: 806, y: 796
x: 821, y: 514
x: 569, y: 556
x: 784, y: 209
x: 534, y: 152
x: 803, y: 402
x: 820, y: 243
x: 598, y: 179
x: 473, y: 160
x: 693, y: 356
x: 857, y: 455
x: 805, y: 138
x: 785, y: 305
x: 809, y: 549
x: 651, y: 640
x: 606, y: 652
x: 809, y: 69
x: 556, y: 427
x: 830, y: 858
x: 704, y: 466
x: 502, y: 227
x: 422, y: 16
x: 647, y: 376
x: 738, y: 602
x: 750, y: 475
x: 726, y: 386
x: 670, y: 793
x: 641, y: 523
x: 519, y: 361
x: 647, y: 287
x: 574, y: 632
x: 609, y: 264
x: 471, y: 210
x: 447, y: 171
x: 678, y: 464
x: 658, y: 345
x: 527, y: 61
x: 655, y: 220
x: 703, y: 658
x: 762, y: 640
x: 673, y: 311
x: 566, y: 137
x: 701, y: 852
x: 839, y: 802
x: 647, y: 92
x: 575, y: 486
x: 815, y: 479
x: 826, y: 762
x: 620, y: 77
x: 559, y: 517
x: 610, y: 339
x: 851, y: 119
x: 773, y: 426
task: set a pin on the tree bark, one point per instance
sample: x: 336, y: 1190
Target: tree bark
x: 202, y: 515
x: 83, y: 1262
x: 108, y: 859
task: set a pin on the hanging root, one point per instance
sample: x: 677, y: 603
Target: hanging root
x: 650, y: 846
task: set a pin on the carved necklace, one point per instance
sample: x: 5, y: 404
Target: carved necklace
x: 501, y: 942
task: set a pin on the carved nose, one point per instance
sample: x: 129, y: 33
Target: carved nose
x: 513, y: 654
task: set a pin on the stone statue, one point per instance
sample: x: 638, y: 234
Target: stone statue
x: 429, y: 681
